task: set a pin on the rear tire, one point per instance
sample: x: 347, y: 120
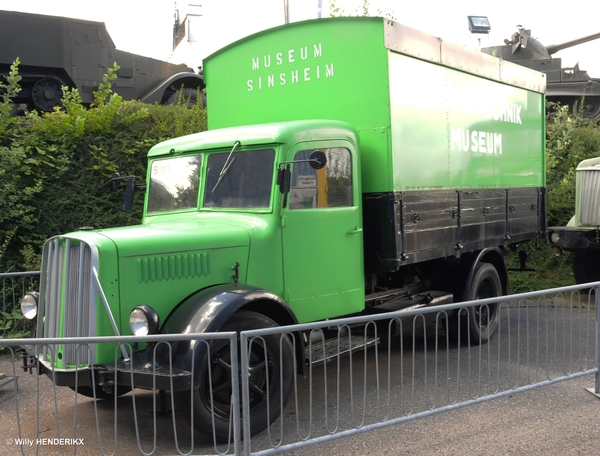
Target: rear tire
x: 586, y: 266
x: 477, y: 324
x: 267, y: 398
x: 484, y: 320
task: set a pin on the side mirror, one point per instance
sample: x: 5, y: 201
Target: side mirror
x: 317, y: 159
x: 115, y: 180
x: 284, y: 178
x: 128, y: 198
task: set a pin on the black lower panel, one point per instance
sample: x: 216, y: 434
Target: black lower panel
x: 409, y: 227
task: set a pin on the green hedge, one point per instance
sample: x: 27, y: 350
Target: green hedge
x: 55, y: 167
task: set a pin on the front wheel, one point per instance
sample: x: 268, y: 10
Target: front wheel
x: 270, y: 374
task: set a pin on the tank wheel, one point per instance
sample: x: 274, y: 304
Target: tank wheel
x: 270, y: 373
x: 591, y: 107
x: 478, y: 324
x: 88, y: 391
x: 189, y: 96
x: 47, y: 94
x: 586, y: 266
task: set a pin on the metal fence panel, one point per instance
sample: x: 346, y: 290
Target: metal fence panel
x: 50, y: 419
x: 13, y: 287
x: 381, y: 370
x: 417, y: 369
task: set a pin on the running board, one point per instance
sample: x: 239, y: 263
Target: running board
x: 420, y: 300
x: 330, y: 349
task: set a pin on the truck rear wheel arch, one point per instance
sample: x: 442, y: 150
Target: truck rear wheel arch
x: 495, y: 257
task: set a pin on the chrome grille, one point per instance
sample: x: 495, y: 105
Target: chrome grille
x: 589, y: 191
x: 68, y: 298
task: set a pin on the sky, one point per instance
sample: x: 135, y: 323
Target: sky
x: 145, y: 26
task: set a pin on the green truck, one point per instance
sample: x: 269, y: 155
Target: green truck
x: 352, y: 166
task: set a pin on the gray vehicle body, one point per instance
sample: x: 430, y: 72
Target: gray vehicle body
x: 57, y: 51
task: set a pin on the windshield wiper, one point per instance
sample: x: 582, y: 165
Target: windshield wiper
x: 226, y: 166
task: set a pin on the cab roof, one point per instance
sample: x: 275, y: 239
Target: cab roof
x: 253, y: 135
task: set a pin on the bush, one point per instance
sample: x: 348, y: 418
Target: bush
x: 570, y: 139
x: 55, y: 167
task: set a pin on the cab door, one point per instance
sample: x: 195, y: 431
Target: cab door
x: 322, y: 234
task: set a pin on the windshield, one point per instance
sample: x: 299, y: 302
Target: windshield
x: 239, y: 179
x: 174, y: 184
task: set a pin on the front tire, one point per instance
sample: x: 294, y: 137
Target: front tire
x: 270, y: 377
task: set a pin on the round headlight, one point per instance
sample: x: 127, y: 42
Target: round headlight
x: 29, y: 305
x: 143, y: 320
x: 554, y: 238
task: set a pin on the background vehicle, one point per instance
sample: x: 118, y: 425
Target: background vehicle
x: 59, y: 51
x: 309, y: 199
x: 582, y: 234
x: 567, y: 86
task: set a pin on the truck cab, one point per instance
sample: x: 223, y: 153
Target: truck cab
x: 262, y: 183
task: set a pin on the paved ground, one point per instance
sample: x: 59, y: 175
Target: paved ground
x: 563, y: 419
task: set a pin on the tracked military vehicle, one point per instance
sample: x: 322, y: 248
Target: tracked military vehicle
x: 567, y: 86
x: 58, y: 51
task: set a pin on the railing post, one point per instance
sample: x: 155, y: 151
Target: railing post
x: 597, y: 386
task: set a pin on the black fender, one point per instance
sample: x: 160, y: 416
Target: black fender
x: 174, y: 83
x: 208, y: 310
x: 492, y: 255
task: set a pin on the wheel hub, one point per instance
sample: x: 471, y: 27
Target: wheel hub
x: 46, y: 94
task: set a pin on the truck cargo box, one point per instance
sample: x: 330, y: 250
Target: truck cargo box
x: 430, y: 114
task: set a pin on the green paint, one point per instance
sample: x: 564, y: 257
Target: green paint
x: 421, y: 125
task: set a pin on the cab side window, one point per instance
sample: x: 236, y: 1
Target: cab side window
x: 330, y: 186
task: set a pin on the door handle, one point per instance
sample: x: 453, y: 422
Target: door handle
x: 355, y: 231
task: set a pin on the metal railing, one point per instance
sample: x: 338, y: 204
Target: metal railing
x: 13, y: 285
x: 361, y: 374
x: 419, y: 370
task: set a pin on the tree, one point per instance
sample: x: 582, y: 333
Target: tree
x: 364, y: 10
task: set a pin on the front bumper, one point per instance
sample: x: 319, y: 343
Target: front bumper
x: 142, y: 371
x: 572, y: 239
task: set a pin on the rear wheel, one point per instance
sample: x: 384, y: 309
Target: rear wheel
x: 483, y: 320
x: 477, y: 324
x: 591, y: 107
x: 270, y: 375
x: 586, y: 266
